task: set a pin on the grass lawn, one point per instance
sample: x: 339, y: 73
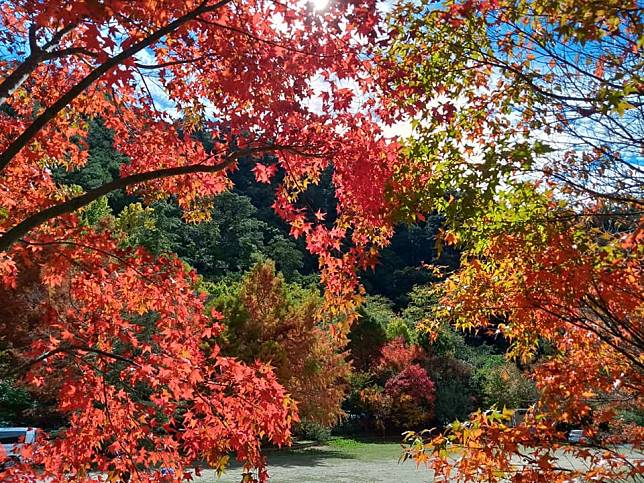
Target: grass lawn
x: 366, y: 450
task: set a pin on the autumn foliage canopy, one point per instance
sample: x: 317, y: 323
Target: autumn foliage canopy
x: 530, y: 145
x: 113, y: 333
x: 551, y: 234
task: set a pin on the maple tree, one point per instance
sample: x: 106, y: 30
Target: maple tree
x: 396, y: 355
x: 527, y: 139
x: 552, y: 90
x: 580, y: 297
x: 116, y: 336
x: 114, y: 332
x: 255, y: 110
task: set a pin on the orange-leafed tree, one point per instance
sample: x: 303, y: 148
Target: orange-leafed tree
x: 277, y: 323
x: 115, y: 332
x: 529, y: 144
x: 570, y: 300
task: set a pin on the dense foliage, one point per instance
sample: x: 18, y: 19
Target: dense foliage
x: 131, y: 342
x: 155, y: 155
x: 529, y: 143
x: 455, y: 374
x: 265, y: 319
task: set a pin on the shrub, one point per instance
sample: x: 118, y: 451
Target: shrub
x: 14, y: 401
x: 414, y: 382
x: 502, y: 384
x: 633, y: 416
x: 456, y: 392
x: 310, y: 430
x: 396, y: 355
x: 405, y: 402
x: 400, y: 328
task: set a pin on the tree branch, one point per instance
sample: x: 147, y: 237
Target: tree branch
x: 73, y: 348
x: 36, y: 55
x: 173, y: 62
x: 21, y: 229
x: 598, y: 194
x: 52, y: 111
x: 251, y: 36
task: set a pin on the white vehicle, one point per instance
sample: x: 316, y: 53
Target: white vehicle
x: 576, y: 436
x: 14, y: 439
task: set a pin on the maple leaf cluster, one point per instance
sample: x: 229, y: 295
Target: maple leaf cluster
x: 397, y: 354
x: 412, y: 386
x: 241, y: 74
x: 115, y: 335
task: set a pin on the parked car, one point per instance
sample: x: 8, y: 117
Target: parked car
x: 13, y: 440
x: 576, y: 436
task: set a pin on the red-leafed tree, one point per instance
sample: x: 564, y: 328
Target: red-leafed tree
x: 115, y: 333
x: 115, y: 338
x: 396, y: 355
x: 406, y: 397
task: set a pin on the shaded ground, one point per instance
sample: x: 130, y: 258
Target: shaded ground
x: 343, y: 461
x: 348, y: 461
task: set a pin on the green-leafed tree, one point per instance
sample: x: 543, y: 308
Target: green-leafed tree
x: 103, y: 164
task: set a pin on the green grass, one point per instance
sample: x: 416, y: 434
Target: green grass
x: 347, y: 443
x: 343, y: 460
x: 366, y: 450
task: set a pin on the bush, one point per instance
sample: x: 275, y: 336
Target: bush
x: 632, y: 416
x: 412, y: 393
x: 310, y: 430
x: 399, y: 328
x: 456, y: 392
x: 406, y: 401
x: 14, y: 401
x: 406, y: 398
x: 502, y: 384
